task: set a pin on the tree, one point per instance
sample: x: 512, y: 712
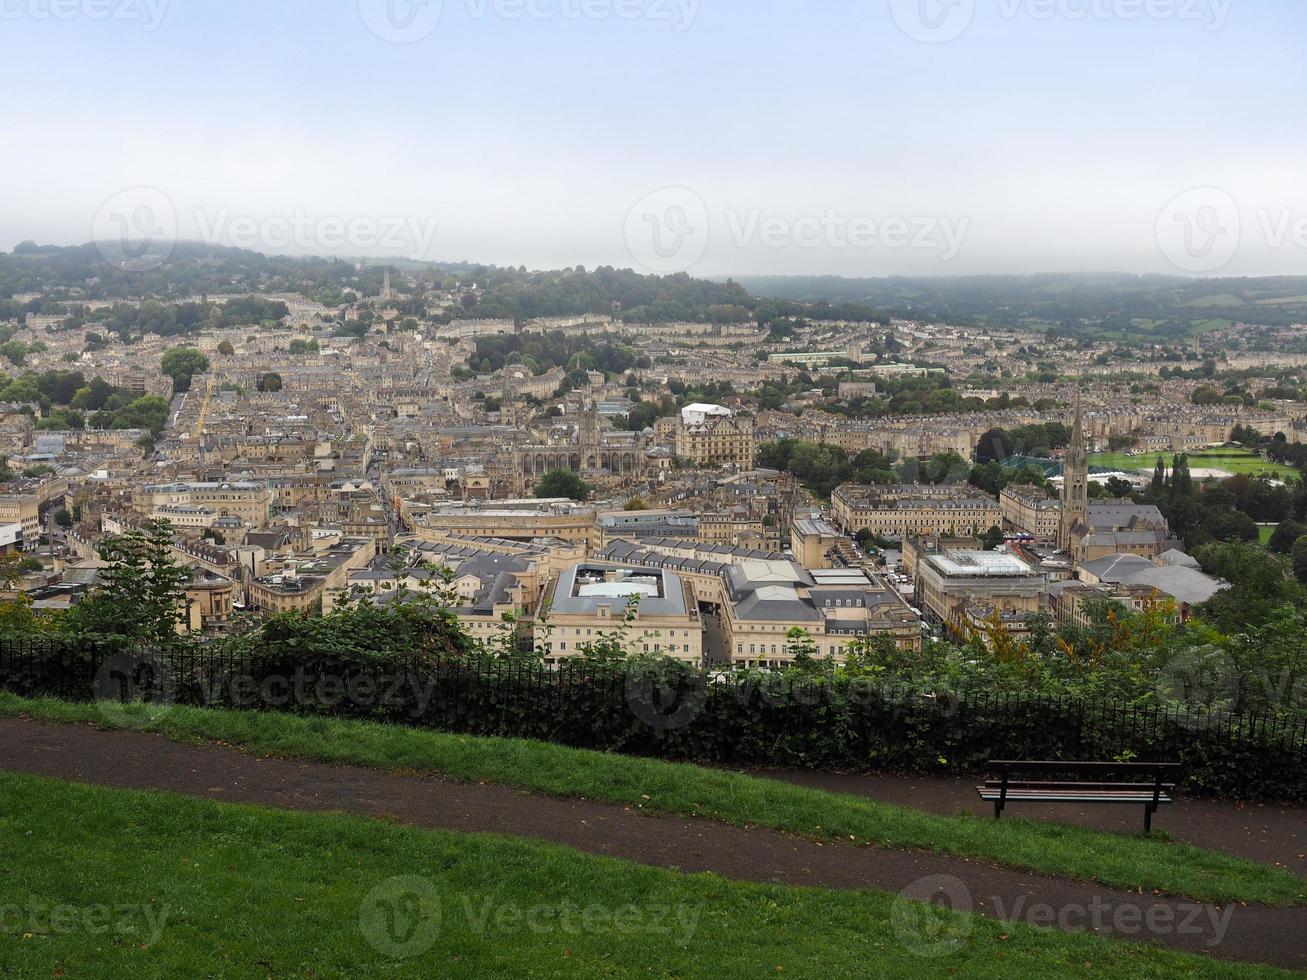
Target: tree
x: 63, y: 518
x: 1286, y: 535
x: 1158, y: 485
x: 563, y: 484
x: 226, y: 349
x: 142, y: 594
x: 181, y: 364
x: 1300, y: 560
x: 1119, y: 488
x: 270, y: 382
x: 993, y: 538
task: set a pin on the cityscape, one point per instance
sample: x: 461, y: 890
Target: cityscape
x: 445, y: 532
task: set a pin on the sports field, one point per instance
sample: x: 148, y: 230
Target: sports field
x: 1233, y: 461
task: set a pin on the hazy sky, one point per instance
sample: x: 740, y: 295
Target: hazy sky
x: 853, y: 137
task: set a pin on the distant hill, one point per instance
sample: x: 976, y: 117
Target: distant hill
x: 1153, y: 309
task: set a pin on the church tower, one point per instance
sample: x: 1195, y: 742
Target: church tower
x: 1075, y: 483
x: 508, y: 399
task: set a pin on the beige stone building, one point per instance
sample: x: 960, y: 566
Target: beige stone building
x: 250, y: 502
x: 589, y: 601
x: 898, y: 511
x: 718, y: 440
x: 1028, y: 510
x: 962, y: 589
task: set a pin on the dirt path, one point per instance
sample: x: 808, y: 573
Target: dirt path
x: 1266, y: 833
x: 141, y: 761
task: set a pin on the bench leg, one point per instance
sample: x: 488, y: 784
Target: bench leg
x: 1148, y: 818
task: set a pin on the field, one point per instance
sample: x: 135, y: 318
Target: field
x: 1233, y: 461
x: 120, y: 883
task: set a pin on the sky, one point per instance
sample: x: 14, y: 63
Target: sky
x: 718, y: 137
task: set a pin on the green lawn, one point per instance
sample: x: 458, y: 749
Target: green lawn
x: 114, y: 883
x: 1128, y: 861
x: 1265, y: 532
x: 1233, y: 461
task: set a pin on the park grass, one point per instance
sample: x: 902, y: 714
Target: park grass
x: 1234, y: 461
x: 158, y: 885
x: 1265, y: 532
x: 1126, y: 861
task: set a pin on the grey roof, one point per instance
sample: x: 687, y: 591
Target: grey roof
x: 1186, y: 585
x: 1177, y: 557
x: 1115, y: 515
x: 671, y: 601
x: 1110, y: 568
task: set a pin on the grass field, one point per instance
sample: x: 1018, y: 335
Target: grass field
x: 1233, y: 461
x: 115, y: 883
x: 1130, y: 862
x: 1264, y: 533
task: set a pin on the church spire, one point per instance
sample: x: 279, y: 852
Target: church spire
x: 1075, y: 483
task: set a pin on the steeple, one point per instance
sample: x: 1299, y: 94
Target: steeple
x: 1075, y: 482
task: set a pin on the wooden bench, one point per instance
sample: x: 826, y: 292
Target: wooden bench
x: 1147, y: 784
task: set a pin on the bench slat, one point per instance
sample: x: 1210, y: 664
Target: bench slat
x: 1031, y: 784
x: 1020, y: 796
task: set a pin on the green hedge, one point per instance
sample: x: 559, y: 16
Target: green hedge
x: 670, y: 711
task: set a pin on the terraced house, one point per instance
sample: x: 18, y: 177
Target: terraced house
x: 912, y: 509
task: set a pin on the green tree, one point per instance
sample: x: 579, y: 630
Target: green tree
x: 1158, y: 485
x: 1286, y: 536
x: 1300, y: 560
x: 270, y: 382
x: 563, y: 484
x: 993, y: 538
x: 183, y: 363
x: 142, y: 593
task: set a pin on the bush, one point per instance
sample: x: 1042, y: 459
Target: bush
x: 420, y: 673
